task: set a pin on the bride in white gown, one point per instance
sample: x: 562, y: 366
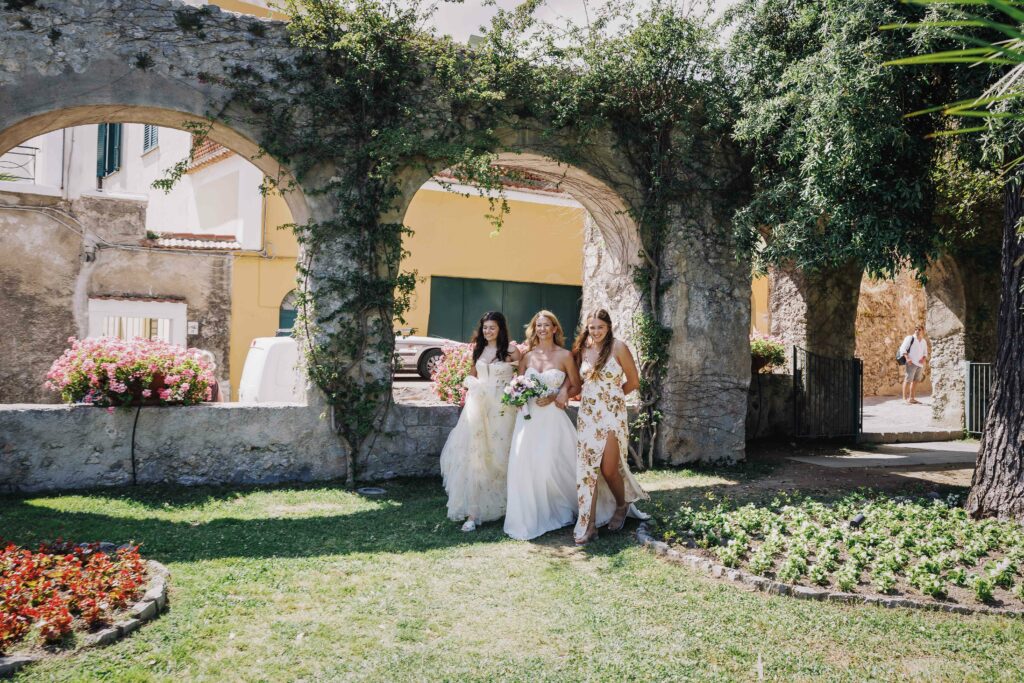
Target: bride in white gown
x: 542, y: 461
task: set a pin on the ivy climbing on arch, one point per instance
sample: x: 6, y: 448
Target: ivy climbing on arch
x: 374, y: 102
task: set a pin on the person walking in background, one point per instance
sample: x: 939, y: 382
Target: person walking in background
x: 914, y: 350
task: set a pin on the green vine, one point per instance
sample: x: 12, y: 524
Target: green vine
x: 372, y: 98
x: 654, y: 78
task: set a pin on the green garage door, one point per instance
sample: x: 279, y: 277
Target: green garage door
x: 456, y: 305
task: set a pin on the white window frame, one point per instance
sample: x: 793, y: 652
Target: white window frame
x: 175, y: 312
x: 150, y: 137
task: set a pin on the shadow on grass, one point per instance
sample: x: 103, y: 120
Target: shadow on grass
x: 410, y: 518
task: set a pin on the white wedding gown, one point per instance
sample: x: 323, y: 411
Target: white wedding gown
x: 475, y: 456
x: 542, y: 468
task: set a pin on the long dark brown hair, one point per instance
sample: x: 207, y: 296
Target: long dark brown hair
x: 606, y: 346
x: 480, y: 343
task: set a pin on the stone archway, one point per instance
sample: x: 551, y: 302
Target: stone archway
x: 164, y: 63
x: 706, y: 304
x: 946, y: 312
x: 611, y: 240
x: 962, y: 298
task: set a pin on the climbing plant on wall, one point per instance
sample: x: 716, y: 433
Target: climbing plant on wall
x: 652, y: 80
x: 373, y: 99
x: 370, y: 96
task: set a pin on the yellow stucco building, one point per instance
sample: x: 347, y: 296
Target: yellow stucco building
x: 464, y: 266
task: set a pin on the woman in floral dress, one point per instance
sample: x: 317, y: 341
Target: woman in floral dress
x: 604, y: 485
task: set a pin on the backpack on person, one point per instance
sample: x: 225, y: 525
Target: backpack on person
x: 904, y: 350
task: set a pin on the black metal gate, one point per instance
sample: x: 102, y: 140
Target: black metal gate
x: 978, y: 378
x: 828, y: 399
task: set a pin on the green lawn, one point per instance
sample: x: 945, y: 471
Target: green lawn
x: 318, y: 583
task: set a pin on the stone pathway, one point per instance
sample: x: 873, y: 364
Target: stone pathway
x: 887, y: 419
x: 899, y: 455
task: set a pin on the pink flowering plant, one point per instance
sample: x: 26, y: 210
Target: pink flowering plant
x: 766, y: 352
x: 107, y: 371
x: 452, y: 372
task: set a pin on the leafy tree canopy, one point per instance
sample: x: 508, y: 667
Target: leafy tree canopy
x: 840, y: 173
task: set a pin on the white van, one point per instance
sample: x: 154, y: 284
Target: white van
x: 271, y: 373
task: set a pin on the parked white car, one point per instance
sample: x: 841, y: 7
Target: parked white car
x: 419, y: 354
x: 271, y: 373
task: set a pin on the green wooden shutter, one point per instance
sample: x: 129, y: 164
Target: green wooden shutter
x: 478, y: 297
x: 287, y: 314
x: 521, y: 301
x: 108, y: 149
x: 446, y: 306
x: 564, y: 301
x: 114, y: 156
x: 456, y: 305
x: 101, y: 150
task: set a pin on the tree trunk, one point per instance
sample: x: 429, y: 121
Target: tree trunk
x: 997, y: 488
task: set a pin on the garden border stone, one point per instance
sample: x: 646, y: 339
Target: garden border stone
x: 147, y: 608
x: 766, y: 585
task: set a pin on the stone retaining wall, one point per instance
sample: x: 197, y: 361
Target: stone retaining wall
x: 57, y: 447
x: 45, y: 447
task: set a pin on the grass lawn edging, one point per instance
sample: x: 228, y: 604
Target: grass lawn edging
x: 766, y: 585
x: 147, y: 608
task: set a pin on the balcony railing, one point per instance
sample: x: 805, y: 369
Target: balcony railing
x: 19, y: 164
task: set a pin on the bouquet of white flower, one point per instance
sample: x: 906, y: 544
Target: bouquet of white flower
x: 521, y: 389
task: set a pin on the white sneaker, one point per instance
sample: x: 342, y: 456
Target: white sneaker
x: 469, y: 525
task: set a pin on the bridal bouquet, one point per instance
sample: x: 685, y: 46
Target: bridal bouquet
x: 521, y: 389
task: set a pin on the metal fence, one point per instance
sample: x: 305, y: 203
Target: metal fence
x: 20, y: 163
x: 828, y: 396
x: 978, y: 379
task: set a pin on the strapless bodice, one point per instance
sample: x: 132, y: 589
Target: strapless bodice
x: 498, y: 371
x: 552, y: 378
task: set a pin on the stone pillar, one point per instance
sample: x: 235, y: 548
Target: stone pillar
x: 707, y: 305
x: 817, y: 311
x: 962, y: 293
x: 608, y: 279
x: 944, y: 326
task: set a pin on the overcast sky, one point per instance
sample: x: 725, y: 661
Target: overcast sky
x: 461, y: 20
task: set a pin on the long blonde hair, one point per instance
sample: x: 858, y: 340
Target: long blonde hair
x: 531, y: 329
x: 606, y: 346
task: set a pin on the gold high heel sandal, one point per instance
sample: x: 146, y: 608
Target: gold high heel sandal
x: 618, y: 520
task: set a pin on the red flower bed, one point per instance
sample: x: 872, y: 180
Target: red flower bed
x: 61, y: 585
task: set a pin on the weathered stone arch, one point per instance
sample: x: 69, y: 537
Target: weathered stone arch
x: 160, y: 62
x: 962, y: 297
x: 119, y: 64
x: 946, y: 314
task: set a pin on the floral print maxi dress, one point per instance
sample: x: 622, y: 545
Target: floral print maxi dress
x: 602, y: 411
